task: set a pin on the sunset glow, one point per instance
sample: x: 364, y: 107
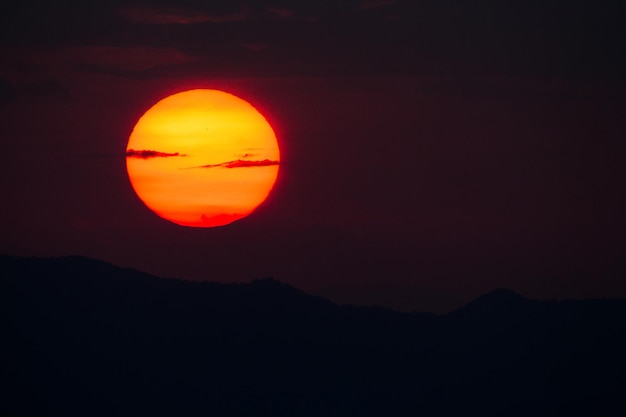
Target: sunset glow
x: 202, y: 158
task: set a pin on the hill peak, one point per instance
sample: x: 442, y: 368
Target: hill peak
x: 500, y: 295
x: 500, y: 301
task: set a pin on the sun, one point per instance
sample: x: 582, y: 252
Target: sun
x: 202, y: 158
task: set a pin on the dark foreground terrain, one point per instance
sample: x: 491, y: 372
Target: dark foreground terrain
x: 81, y: 337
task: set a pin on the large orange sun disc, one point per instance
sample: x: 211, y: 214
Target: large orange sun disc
x: 202, y: 158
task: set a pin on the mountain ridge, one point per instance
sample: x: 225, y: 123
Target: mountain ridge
x: 122, y: 342
x: 495, y: 298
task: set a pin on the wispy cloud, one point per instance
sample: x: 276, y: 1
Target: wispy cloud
x: 173, y: 16
x: 375, y: 4
x: 148, y: 154
x: 113, y: 57
x: 240, y: 163
x: 255, y: 46
x: 281, y: 12
x: 130, y: 58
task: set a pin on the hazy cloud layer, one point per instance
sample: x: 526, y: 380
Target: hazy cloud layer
x: 130, y: 58
x: 174, y: 16
x: 53, y: 63
x: 147, y: 154
x: 281, y: 12
x: 255, y: 46
x: 375, y: 4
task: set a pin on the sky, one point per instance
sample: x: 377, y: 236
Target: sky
x: 431, y: 151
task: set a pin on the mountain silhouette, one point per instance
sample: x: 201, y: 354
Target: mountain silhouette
x: 499, y: 305
x: 81, y: 337
x: 497, y: 299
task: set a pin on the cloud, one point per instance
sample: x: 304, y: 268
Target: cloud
x: 280, y: 12
x: 7, y: 91
x: 240, y: 163
x: 147, y: 154
x: 60, y: 61
x: 172, y: 16
x: 374, y: 4
x: 221, y: 219
x: 46, y: 88
x: 255, y: 46
x: 130, y: 58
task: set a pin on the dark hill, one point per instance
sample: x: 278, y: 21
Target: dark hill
x: 498, y: 300
x: 85, y: 338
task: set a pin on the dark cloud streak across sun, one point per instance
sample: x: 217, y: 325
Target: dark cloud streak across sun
x: 240, y: 163
x: 148, y: 154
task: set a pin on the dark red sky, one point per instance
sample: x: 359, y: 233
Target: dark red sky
x: 431, y: 150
